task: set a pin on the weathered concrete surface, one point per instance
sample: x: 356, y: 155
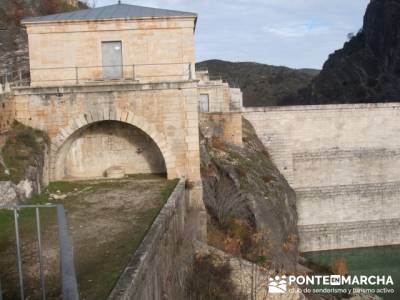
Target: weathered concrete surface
x: 107, y: 144
x: 225, y: 126
x: 343, y: 162
x: 159, y: 267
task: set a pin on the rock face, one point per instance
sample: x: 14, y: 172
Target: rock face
x: 243, y: 183
x: 367, y: 69
x: 9, y: 193
x: 14, y: 56
x: 23, y: 164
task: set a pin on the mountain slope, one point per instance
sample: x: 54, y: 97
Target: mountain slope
x: 262, y: 85
x: 367, y: 69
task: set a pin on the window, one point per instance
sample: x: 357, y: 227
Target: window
x: 204, y: 103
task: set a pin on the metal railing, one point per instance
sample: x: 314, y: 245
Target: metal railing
x: 15, y: 78
x: 135, y: 72
x: 67, y: 267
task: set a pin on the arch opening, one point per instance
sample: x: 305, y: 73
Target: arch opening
x: 95, y: 149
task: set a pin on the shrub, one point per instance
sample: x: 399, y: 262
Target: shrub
x: 23, y: 148
x: 340, y: 267
x: 211, y: 280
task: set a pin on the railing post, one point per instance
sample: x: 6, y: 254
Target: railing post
x: 39, y: 239
x: 19, y: 258
x: 68, y: 276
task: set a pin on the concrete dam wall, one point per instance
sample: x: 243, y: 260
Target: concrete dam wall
x: 344, y: 163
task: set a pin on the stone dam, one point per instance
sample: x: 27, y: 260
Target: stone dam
x: 343, y: 162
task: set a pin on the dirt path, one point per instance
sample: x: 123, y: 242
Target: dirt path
x: 107, y: 220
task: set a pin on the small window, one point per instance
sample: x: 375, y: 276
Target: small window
x: 204, y: 103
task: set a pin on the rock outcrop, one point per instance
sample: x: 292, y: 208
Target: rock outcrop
x: 244, y: 192
x: 367, y: 69
x: 23, y: 164
x: 14, y: 56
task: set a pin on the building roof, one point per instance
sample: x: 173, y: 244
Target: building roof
x: 116, y: 11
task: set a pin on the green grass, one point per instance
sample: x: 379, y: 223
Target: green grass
x: 171, y: 184
x: 97, y: 285
x: 98, y: 267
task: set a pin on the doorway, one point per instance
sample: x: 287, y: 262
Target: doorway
x: 112, y: 60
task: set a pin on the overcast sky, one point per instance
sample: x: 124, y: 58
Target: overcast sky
x: 293, y: 33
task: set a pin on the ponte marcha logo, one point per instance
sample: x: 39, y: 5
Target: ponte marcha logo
x: 277, y: 284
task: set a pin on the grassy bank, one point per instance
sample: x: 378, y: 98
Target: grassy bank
x: 107, y: 222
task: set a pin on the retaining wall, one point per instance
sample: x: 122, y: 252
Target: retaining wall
x: 160, y: 265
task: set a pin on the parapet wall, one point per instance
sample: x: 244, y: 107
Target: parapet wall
x: 344, y: 163
x: 160, y: 265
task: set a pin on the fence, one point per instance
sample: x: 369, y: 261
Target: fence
x: 67, y: 268
x: 91, y: 74
x: 14, y: 79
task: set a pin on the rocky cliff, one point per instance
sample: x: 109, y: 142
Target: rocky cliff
x: 252, y: 208
x: 13, y: 38
x: 23, y: 164
x: 367, y: 69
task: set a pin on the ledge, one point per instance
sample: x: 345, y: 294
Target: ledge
x: 105, y: 87
x: 322, y: 107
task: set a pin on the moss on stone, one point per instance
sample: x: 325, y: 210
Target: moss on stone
x: 23, y: 148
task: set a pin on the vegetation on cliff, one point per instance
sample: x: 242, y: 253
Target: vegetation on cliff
x: 367, y: 69
x: 23, y: 149
x: 252, y: 208
x: 14, y: 42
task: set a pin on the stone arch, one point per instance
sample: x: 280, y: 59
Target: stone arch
x: 127, y: 117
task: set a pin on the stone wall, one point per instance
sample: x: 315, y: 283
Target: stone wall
x: 160, y: 49
x: 112, y: 144
x: 222, y: 98
x: 236, y: 99
x: 7, y: 112
x: 226, y: 126
x: 343, y: 162
x: 160, y: 265
x: 166, y: 112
